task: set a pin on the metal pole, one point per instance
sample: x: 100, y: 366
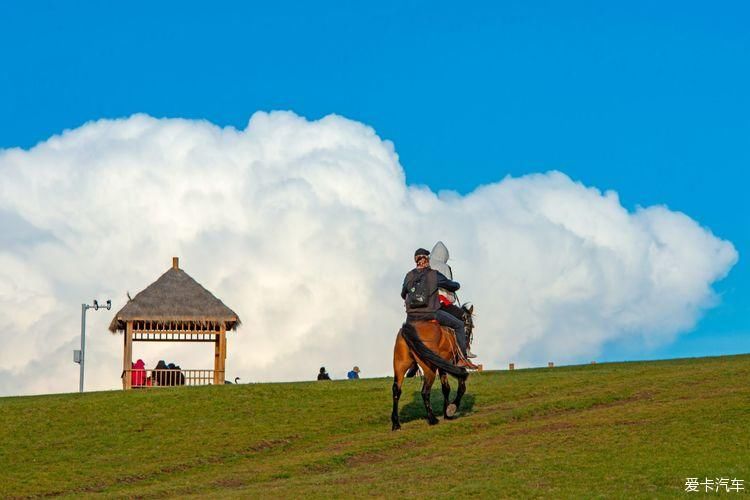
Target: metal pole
x: 83, y: 343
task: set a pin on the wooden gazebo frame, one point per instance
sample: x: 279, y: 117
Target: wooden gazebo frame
x: 175, y: 308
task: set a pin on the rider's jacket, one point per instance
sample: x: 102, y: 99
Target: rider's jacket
x: 435, y: 280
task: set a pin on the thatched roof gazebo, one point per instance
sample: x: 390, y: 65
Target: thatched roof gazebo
x: 174, y: 308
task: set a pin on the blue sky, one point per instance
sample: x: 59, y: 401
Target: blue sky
x: 648, y: 100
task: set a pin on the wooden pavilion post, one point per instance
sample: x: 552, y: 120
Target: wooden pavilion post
x: 127, y: 356
x: 223, y: 352
x: 220, y: 354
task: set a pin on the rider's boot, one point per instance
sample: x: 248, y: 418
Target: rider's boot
x: 465, y: 363
x: 470, y: 354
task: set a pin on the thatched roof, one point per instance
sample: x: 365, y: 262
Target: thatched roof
x: 175, y: 296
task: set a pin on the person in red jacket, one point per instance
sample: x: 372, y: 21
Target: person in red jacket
x: 138, y: 374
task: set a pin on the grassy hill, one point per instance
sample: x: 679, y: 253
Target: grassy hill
x: 614, y: 430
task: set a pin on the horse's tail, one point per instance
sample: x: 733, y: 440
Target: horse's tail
x: 427, y: 355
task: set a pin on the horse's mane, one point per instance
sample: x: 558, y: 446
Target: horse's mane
x: 427, y: 355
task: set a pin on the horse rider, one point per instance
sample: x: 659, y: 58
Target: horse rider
x: 420, y: 294
x: 439, y: 262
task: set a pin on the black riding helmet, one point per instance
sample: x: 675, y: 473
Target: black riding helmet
x: 421, y: 252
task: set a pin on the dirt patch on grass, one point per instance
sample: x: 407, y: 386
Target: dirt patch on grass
x: 229, y: 482
x: 640, y: 396
x: 365, y: 459
x: 630, y: 422
x: 319, y: 468
x: 340, y: 447
x: 553, y: 427
x: 262, y: 446
x: 545, y: 413
x: 268, y: 444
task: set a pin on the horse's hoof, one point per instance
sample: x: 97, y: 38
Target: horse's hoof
x: 450, y: 411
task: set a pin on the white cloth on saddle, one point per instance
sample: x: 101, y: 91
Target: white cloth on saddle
x: 439, y: 262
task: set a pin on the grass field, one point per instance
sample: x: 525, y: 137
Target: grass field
x: 607, y: 430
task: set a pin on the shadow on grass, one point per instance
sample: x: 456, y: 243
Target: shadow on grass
x: 414, y: 410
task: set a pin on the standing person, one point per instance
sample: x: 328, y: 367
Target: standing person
x: 323, y: 375
x: 354, y: 374
x: 439, y: 262
x: 420, y: 294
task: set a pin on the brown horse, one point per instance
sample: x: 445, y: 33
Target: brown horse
x: 434, y: 349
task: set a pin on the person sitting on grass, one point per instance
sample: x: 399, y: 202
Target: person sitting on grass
x: 323, y: 375
x: 354, y: 374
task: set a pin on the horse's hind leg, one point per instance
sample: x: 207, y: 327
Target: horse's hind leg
x: 395, y: 424
x: 429, y: 378
x: 402, y: 360
x: 446, y: 387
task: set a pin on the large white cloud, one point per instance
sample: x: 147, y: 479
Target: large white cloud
x: 306, y: 229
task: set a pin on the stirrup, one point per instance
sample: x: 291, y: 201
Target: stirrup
x: 465, y: 363
x: 460, y: 360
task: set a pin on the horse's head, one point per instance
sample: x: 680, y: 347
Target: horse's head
x: 468, y: 314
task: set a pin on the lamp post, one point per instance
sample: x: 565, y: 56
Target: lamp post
x: 79, y: 356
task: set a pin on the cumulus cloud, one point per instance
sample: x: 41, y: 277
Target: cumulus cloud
x: 305, y: 228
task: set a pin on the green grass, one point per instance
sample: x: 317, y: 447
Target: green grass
x: 606, y: 430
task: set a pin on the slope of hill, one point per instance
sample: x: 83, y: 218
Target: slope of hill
x: 620, y: 429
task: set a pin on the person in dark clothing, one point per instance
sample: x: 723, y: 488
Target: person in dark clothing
x: 420, y: 294
x: 323, y: 375
x: 160, y: 374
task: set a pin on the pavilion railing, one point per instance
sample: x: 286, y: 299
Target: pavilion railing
x: 147, y: 378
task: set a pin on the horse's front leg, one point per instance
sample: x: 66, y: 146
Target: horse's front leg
x: 445, y: 386
x: 429, y: 378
